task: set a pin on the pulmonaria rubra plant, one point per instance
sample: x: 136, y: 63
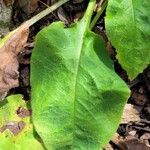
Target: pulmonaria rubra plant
x: 77, y: 99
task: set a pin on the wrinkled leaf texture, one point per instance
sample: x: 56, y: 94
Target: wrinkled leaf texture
x: 10, y: 47
x: 23, y: 140
x: 128, y: 28
x: 77, y: 99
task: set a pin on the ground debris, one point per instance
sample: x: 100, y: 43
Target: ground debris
x: 145, y: 138
x: 130, y: 114
x: 128, y: 143
x: 9, y: 50
x: 5, y: 18
x: 132, y: 143
x: 138, y: 97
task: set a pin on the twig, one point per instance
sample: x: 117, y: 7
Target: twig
x: 44, y: 3
x: 48, y: 7
x: 45, y: 12
x: 99, y: 12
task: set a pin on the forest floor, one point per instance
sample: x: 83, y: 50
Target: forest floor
x: 134, y: 130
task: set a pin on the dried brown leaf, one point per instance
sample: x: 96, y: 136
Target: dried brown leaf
x: 130, y: 114
x: 118, y: 140
x: 8, y: 57
x: 8, y: 2
x: 28, y: 6
x: 132, y: 143
x: 14, y: 127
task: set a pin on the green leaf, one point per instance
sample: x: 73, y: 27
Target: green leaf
x: 8, y: 117
x: 77, y: 98
x: 128, y: 28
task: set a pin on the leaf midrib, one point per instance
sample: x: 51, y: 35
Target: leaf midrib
x: 77, y: 70
x: 133, y: 18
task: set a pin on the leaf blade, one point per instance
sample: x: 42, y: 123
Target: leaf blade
x: 127, y: 26
x: 68, y: 77
x: 25, y: 137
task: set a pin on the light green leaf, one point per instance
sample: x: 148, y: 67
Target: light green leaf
x: 128, y: 29
x: 77, y: 98
x: 8, y: 116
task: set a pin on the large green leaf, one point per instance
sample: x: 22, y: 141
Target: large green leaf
x: 24, y: 139
x: 77, y: 99
x: 128, y: 28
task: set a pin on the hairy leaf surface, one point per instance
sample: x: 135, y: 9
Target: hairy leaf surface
x: 128, y: 28
x: 77, y: 99
x: 16, y: 133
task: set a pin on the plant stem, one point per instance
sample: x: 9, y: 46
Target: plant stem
x: 46, y: 12
x: 89, y: 12
x: 99, y: 12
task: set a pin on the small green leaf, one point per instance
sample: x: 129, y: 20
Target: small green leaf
x: 8, y: 117
x: 77, y: 98
x: 128, y: 28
